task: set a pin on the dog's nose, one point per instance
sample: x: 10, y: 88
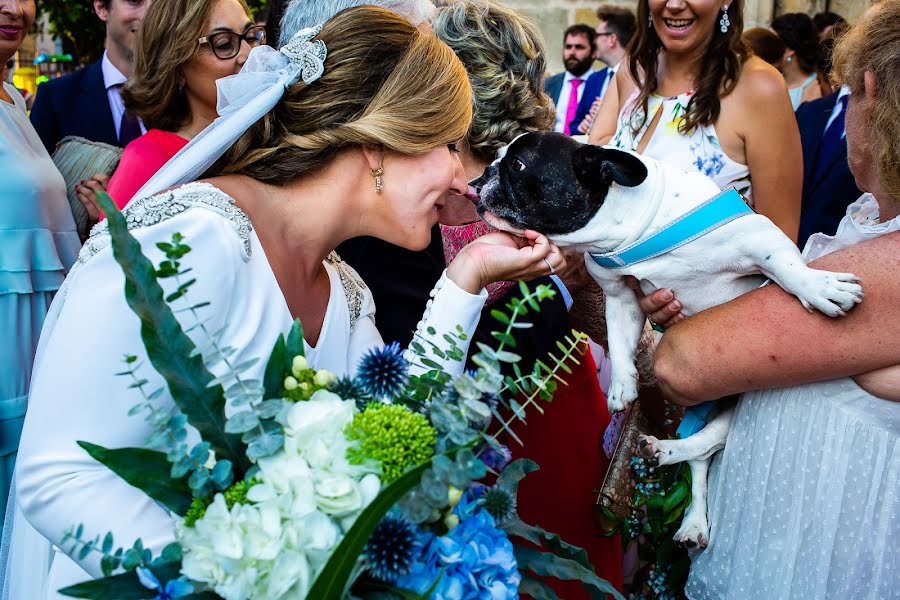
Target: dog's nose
x: 479, y: 182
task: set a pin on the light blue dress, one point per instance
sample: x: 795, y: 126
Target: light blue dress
x: 38, y: 245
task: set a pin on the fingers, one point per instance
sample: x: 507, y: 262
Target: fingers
x: 101, y: 179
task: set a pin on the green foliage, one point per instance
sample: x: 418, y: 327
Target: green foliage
x: 545, y: 564
x: 392, y: 435
x: 170, y: 350
x: 236, y: 494
x: 147, y: 470
x: 124, y: 586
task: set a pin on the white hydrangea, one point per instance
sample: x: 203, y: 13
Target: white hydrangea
x: 307, y: 497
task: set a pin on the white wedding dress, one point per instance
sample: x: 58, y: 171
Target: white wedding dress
x: 804, y: 501
x: 76, y: 396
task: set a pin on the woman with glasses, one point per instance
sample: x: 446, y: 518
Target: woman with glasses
x: 173, y: 89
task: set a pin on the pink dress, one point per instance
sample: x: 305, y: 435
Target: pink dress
x: 141, y: 160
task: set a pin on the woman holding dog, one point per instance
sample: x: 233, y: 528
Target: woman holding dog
x: 804, y: 499
x: 692, y: 94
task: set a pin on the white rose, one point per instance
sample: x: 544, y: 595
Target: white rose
x: 338, y: 496
x: 322, y: 414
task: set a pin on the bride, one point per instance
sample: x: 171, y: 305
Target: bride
x: 348, y: 131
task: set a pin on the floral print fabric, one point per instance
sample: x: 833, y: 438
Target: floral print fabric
x: 698, y: 150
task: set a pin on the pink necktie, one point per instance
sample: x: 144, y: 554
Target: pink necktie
x: 572, y: 108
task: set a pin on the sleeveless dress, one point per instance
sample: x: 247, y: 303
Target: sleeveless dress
x: 796, y: 93
x: 39, y: 244
x: 698, y: 150
x: 804, y: 501
x: 75, y: 394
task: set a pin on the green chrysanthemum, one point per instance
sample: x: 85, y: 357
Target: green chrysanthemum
x: 236, y: 494
x: 392, y: 435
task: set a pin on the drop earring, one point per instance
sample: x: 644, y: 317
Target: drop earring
x: 376, y: 173
x: 724, y: 22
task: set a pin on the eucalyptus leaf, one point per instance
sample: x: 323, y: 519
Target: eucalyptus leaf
x: 124, y: 586
x: 167, y: 346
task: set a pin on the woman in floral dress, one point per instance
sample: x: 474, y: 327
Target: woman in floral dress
x: 691, y: 94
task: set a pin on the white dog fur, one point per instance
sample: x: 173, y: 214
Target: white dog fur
x: 715, y: 268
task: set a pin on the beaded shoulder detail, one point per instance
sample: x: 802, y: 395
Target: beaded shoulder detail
x: 354, y: 286
x: 152, y: 210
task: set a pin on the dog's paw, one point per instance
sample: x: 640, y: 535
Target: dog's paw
x: 693, y: 533
x: 832, y: 294
x: 658, y: 452
x: 621, y: 394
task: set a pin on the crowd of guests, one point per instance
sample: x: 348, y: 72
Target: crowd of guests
x: 801, y: 118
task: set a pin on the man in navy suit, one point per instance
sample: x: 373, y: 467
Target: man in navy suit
x: 87, y: 103
x: 615, y: 29
x: 567, y: 88
x: 828, y: 185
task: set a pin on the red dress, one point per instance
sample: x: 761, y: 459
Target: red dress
x: 141, y: 160
x: 566, y: 441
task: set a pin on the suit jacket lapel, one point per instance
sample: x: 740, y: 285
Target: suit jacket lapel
x: 820, y: 120
x: 93, y: 92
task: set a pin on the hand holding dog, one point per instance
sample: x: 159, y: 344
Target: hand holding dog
x: 504, y: 257
x: 661, y: 307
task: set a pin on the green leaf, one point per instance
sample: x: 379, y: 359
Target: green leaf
x: 536, y: 589
x: 168, y: 347
x: 293, y: 345
x: 273, y: 380
x: 124, y: 586
x: 147, y: 470
x: 545, y: 564
x: 500, y: 316
x: 515, y: 472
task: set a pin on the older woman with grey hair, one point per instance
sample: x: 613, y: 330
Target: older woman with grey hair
x: 309, y: 13
x: 503, y: 53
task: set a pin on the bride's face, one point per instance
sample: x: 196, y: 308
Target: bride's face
x: 414, y: 190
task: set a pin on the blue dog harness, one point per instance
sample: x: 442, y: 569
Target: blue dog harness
x: 712, y: 214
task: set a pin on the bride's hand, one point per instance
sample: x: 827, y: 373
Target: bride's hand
x: 504, y: 257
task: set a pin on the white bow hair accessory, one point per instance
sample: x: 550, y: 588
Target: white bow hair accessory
x: 243, y: 99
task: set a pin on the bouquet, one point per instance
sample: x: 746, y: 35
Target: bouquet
x: 380, y: 485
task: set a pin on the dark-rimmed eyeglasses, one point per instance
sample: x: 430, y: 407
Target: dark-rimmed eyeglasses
x: 227, y: 44
x: 605, y: 34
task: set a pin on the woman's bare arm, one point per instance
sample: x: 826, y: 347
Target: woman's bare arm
x: 766, y: 339
x: 772, y: 146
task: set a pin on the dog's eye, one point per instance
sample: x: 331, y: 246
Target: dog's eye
x: 518, y: 165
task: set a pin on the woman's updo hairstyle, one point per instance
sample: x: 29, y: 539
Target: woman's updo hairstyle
x: 503, y: 52
x: 386, y: 84
x: 798, y: 32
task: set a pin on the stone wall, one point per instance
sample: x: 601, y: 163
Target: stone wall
x: 554, y: 16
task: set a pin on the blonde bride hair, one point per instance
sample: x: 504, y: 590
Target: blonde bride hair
x: 386, y: 84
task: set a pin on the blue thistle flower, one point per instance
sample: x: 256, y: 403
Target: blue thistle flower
x: 499, y: 502
x: 383, y: 371
x: 391, y: 549
x: 349, y: 388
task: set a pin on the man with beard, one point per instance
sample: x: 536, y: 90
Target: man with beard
x: 566, y: 89
x: 87, y: 103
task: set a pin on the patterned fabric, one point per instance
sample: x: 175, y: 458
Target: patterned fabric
x: 78, y: 159
x: 804, y: 499
x: 699, y: 150
x: 457, y: 237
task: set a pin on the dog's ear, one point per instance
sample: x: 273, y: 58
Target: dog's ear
x: 598, y: 167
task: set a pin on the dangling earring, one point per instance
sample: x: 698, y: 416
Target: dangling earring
x: 649, y: 21
x: 724, y: 22
x: 376, y: 173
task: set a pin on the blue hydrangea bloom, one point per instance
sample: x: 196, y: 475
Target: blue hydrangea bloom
x: 477, y: 559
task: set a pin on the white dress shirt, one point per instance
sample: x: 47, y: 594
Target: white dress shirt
x: 562, y: 102
x: 113, y: 80
x: 609, y: 77
x: 845, y: 91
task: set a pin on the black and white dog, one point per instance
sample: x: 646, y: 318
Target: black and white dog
x: 601, y: 200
